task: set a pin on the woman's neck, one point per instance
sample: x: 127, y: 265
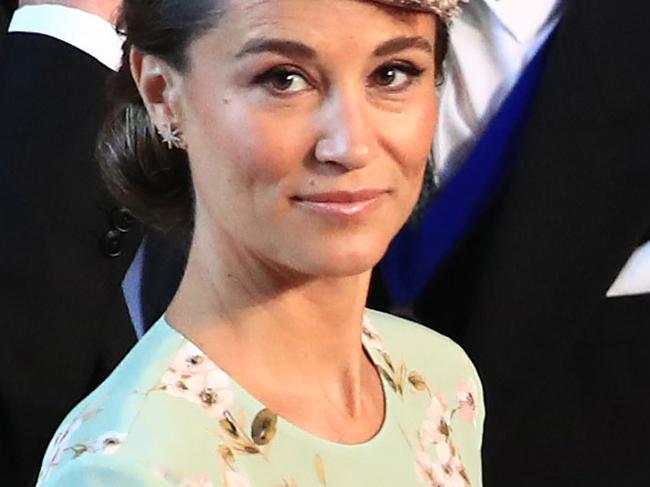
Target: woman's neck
x: 277, y: 333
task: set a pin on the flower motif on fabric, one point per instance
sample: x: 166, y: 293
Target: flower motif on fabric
x: 108, y: 443
x: 370, y: 337
x: 193, y: 377
x: 449, y: 473
x: 236, y: 441
x: 62, y: 442
x: 437, y: 425
x: 466, y: 396
x: 288, y: 483
x: 438, y: 462
x: 448, y: 469
x: 172, y: 479
x: 396, y: 374
x: 235, y: 479
x: 199, y: 482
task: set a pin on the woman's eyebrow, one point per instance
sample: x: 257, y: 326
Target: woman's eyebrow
x: 393, y: 46
x: 297, y: 49
x: 279, y: 46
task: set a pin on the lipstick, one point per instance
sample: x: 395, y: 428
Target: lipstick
x: 341, y: 203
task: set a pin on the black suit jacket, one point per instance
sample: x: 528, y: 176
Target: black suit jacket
x: 565, y: 370
x: 4, y: 20
x: 63, y: 321
x: 7, y: 8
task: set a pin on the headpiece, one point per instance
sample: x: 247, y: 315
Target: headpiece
x: 445, y: 9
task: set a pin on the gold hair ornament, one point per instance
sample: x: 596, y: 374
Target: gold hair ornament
x: 445, y: 9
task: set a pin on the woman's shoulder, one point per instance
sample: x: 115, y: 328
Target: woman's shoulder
x: 98, y: 432
x: 440, y: 389
x: 415, y: 357
x: 417, y: 342
x: 106, y: 471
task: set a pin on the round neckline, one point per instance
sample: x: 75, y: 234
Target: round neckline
x: 247, y: 400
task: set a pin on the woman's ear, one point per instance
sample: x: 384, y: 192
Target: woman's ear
x: 159, y: 86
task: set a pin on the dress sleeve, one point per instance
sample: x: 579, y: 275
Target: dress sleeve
x: 104, y: 471
x: 480, y: 408
x: 472, y: 406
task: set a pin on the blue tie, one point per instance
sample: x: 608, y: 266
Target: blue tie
x: 418, y: 250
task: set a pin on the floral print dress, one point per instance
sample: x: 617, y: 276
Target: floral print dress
x: 168, y: 416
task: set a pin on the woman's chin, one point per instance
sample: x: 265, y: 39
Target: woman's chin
x: 343, y: 270
x: 345, y: 262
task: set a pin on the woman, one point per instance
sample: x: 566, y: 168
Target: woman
x: 293, y: 141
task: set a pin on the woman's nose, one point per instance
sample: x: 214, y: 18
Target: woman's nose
x: 345, y: 132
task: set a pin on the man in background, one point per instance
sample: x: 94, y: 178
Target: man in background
x: 66, y: 247
x: 4, y: 20
x: 6, y: 9
x: 534, y: 254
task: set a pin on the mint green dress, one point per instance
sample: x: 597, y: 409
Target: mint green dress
x: 168, y: 416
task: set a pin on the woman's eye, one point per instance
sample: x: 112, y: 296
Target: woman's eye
x: 395, y: 76
x: 283, y: 81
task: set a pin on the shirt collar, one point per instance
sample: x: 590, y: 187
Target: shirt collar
x: 524, y: 19
x: 87, y: 32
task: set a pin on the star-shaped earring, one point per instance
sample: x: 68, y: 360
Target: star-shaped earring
x: 172, y: 137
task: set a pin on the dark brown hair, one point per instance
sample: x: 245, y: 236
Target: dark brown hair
x: 151, y: 180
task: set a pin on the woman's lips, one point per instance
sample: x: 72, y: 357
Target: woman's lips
x: 341, y: 203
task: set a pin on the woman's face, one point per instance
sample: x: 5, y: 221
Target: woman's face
x: 308, y: 125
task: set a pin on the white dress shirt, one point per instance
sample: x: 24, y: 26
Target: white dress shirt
x: 635, y: 276
x: 87, y: 32
x: 490, y: 45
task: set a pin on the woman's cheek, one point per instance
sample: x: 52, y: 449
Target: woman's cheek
x: 417, y: 137
x: 273, y: 145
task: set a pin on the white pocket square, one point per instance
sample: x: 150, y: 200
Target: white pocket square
x: 634, y: 278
